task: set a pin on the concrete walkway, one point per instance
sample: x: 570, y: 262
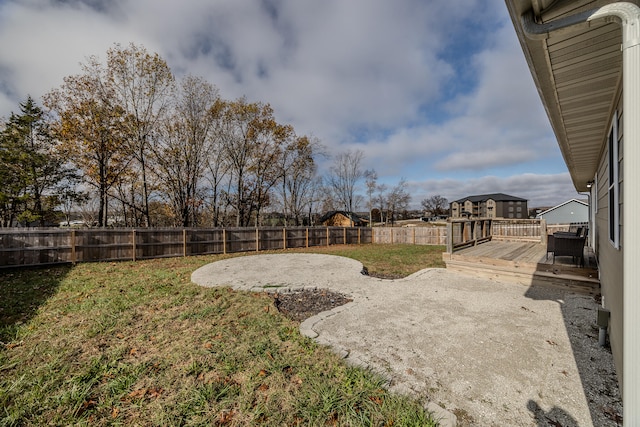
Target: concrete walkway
x: 492, y: 353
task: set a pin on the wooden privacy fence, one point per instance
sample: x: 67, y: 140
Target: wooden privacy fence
x: 410, y: 235
x: 30, y: 247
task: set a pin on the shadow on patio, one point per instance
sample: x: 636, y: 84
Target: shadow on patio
x: 578, y: 296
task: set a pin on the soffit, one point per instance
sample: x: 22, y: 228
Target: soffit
x: 577, y: 74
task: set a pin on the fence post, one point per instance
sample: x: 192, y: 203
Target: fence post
x: 373, y: 234
x: 257, y: 240
x: 358, y: 235
x: 284, y: 237
x: 73, y: 246
x: 392, y: 235
x: 307, y: 236
x: 133, y: 243
x: 414, y: 236
x: 184, y: 242
x: 344, y: 235
x: 450, y: 237
x: 327, y: 236
x: 224, y: 241
x: 543, y: 230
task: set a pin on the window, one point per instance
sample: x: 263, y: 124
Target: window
x: 614, y: 179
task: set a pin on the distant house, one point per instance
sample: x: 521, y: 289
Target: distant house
x: 342, y: 219
x: 565, y: 213
x: 496, y: 205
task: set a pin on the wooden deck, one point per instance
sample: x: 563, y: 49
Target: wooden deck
x: 525, y: 263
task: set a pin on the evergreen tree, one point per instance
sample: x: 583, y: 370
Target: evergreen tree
x: 31, y: 171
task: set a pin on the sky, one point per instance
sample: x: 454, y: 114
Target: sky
x: 436, y: 92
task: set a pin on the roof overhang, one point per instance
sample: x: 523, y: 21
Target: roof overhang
x: 577, y: 71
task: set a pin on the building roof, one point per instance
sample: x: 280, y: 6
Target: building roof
x: 561, y: 205
x: 498, y: 197
x: 577, y: 69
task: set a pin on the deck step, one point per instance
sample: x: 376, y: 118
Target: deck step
x: 526, y: 273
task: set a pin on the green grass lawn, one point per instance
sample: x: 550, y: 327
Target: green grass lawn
x: 136, y: 343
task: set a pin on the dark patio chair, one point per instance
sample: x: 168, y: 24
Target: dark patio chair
x: 567, y: 245
x: 550, y: 244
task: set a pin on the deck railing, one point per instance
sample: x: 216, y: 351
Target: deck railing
x: 468, y: 232
x: 533, y: 230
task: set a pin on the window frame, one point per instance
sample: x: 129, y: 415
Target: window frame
x: 613, y: 187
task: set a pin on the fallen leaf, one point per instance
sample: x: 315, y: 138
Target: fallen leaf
x: 14, y: 344
x: 263, y: 387
x: 115, y: 412
x: 138, y: 393
x: 262, y: 373
x: 208, y: 345
x: 155, y: 392
x: 225, y: 417
x: 86, y: 405
x: 376, y: 399
x: 133, y: 351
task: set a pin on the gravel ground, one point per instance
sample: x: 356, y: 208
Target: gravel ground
x: 494, y: 354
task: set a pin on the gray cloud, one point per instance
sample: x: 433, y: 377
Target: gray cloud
x: 423, y: 88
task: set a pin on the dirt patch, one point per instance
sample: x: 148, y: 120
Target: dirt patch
x: 300, y: 305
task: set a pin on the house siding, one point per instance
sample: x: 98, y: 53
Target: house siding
x: 572, y: 211
x: 610, y: 258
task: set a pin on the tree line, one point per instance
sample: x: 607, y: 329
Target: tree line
x: 125, y: 143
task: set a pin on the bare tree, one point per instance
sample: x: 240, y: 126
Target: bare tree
x: 251, y: 142
x: 182, y: 147
x: 398, y: 199
x: 437, y: 205
x: 143, y: 86
x: 381, y: 199
x: 371, y: 180
x: 298, y: 177
x: 217, y: 166
x: 344, y: 177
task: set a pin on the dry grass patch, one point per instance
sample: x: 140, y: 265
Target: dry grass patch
x: 138, y: 344
x: 388, y: 261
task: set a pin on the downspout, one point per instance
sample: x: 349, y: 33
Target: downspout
x: 628, y: 16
